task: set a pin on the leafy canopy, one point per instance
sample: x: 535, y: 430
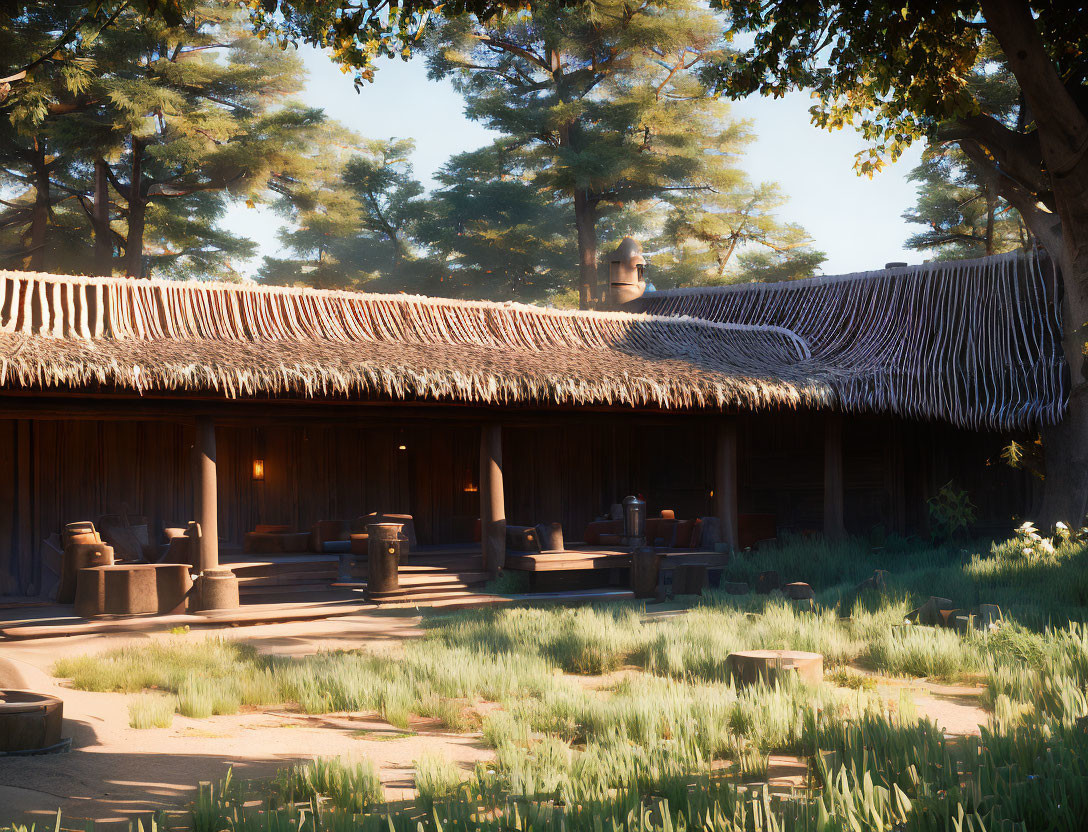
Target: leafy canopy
x: 894, y: 69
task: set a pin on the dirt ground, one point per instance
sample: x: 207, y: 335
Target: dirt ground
x: 115, y: 773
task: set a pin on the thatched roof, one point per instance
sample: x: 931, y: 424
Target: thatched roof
x: 976, y: 343
x: 93, y: 334
x: 973, y: 342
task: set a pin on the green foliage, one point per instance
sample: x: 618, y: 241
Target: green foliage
x: 892, y: 69
x: 951, y: 513
x: 732, y: 235
x: 353, y: 210
x: 959, y: 200
x: 186, y: 112
x: 493, y: 233
x: 602, y: 110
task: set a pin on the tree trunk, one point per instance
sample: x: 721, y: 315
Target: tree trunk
x: 1063, y: 131
x: 991, y: 207
x: 585, y: 220
x: 137, y: 209
x: 39, y: 218
x: 1065, y: 445
x: 103, y: 244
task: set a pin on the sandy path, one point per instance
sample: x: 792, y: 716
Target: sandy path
x: 957, y: 709
x: 115, y: 772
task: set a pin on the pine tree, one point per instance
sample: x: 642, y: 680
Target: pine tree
x: 964, y: 214
x: 34, y: 148
x: 493, y: 233
x: 959, y: 200
x: 353, y: 215
x: 174, y: 117
x: 732, y: 235
x: 603, y: 100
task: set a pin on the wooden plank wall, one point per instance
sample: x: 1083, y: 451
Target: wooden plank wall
x: 568, y: 467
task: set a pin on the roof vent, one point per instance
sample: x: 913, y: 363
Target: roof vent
x: 895, y: 265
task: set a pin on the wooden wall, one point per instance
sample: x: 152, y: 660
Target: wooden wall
x: 565, y: 466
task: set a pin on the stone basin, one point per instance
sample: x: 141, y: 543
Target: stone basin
x: 29, y: 722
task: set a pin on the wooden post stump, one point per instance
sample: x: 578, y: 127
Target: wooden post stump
x: 750, y: 667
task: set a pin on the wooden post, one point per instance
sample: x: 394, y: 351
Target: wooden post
x: 833, y: 480
x: 207, y: 510
x: 492, y: 499
x: 725, y: 482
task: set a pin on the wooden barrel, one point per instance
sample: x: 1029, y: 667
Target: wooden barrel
x: 384, y: 546
x: 29, y: 721
x: 645, y: 569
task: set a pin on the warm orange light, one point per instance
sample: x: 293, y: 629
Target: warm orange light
x: 471, y: 488
x: 258, y: 469
x: 402, y: 447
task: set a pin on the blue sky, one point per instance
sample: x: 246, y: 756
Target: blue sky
x: 856, y: 221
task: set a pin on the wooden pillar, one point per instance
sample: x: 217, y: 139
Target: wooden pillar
x: 833, y: 480
x: 492, y: 498
x: 207, y: 510
x: 725, y: 482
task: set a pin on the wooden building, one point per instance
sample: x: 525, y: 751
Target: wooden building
x: 834, y: 404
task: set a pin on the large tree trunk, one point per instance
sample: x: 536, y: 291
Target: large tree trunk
x: 103, y: 244
x: 1063, y: 132
x: 585, y: 220
x: 137, y: 208
x: 39, y: 217
x: 1065, y: 445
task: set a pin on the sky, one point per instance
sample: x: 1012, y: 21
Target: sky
x: 856, y: 221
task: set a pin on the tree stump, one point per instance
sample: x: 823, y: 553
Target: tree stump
x: 750, y: 667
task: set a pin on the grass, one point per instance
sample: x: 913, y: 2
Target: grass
x: 437, y: 777
x: 629, y: 720
x: 353, y: 786
x: 151, y: 710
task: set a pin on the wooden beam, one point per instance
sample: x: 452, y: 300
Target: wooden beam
x: 725, y: 482
x: 834, y: 527
x: 38, y: 403
x: 25, y: 448
x: 207, y: 509
x: 492, y: 498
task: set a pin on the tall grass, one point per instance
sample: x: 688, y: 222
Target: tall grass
x: 151, y: 710
x: 350, y: 785
x: 437, y: 777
